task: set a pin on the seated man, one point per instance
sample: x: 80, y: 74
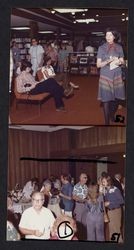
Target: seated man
x: 36, y: 222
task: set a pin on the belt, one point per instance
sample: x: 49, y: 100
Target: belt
x: 113, y: 208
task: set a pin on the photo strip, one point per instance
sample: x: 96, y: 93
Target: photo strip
x: 67, y: 120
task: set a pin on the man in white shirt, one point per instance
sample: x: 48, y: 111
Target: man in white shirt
x: 37, y: 221
x: 89, y: 49
x: 36, y: 55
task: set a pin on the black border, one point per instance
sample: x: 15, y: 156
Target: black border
x: 5, y: 8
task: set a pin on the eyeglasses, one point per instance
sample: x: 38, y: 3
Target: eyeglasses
x: 38, y: 200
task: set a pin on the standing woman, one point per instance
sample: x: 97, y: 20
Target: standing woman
x: 93, y: 216
x: 111, y: 91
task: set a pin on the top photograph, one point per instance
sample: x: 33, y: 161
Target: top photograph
x: 68, y: 66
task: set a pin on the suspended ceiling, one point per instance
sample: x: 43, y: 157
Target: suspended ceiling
x: 64, y: 22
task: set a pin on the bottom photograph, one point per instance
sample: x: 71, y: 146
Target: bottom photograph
x: 66, y: 183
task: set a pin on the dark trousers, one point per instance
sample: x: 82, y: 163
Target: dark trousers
x: 52, y: 87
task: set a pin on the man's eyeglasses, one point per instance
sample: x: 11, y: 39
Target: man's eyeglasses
x: 38, y: 200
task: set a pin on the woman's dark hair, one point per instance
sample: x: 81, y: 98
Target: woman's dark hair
x: 66, y: 177
x: 25, y: 64
x: 46, y: 59
x: 115, y: 33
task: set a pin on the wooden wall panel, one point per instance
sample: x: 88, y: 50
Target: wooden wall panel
x: 26, y: 144
x: 59, y: 140
x: 57, y: 168
x: 98, y: 136
x: 62, y: 143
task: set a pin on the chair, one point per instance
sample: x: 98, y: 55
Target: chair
x: 27, y: 98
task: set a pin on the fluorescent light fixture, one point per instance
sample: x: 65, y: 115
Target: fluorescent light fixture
x: 97, y: 32
x: 127, y: 18
x: 70, y: 10
x: 20, y: 28
x: 124, y: 156
x: 83, y: 14
x: 53, y: 11
x: 96, y: 21
x: 73, y: 13
x: 89, y: 20
x: 63, y: 34
x: 74, y: 21
x: 97, y: 15
x: 100, y: 34
x: 123, y: 14
x: 123, y: 19
x: 45, y: 32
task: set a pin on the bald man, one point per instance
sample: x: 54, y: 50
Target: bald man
x: 79, y: 195
x: 36, y: 222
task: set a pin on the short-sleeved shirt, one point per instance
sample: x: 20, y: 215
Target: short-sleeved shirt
x: 80, y: 190
x: 36, y: 53
x: 42, y: 221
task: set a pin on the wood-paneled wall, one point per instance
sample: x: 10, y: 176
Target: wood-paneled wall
x: 98, y: 136
x: 56, y: 144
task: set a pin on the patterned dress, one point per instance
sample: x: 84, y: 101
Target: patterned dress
x: 111, y: 85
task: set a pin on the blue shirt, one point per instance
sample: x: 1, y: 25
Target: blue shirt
x: 67, y: 189
x: 113, y: 195
x: 97, y: 207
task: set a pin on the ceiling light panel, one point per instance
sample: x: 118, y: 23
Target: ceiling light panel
x: 20, y: 28
x: 46, y: 32
x: 89, y: 20
x: 69, y: 10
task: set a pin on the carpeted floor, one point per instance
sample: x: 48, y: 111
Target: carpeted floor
x: 82, y: 108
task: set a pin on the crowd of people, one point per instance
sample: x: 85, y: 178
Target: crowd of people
x: 53, y: 60
x: 64, y: 210
x: 47, y: 61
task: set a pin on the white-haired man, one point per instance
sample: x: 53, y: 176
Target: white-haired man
x: 37, y: 221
